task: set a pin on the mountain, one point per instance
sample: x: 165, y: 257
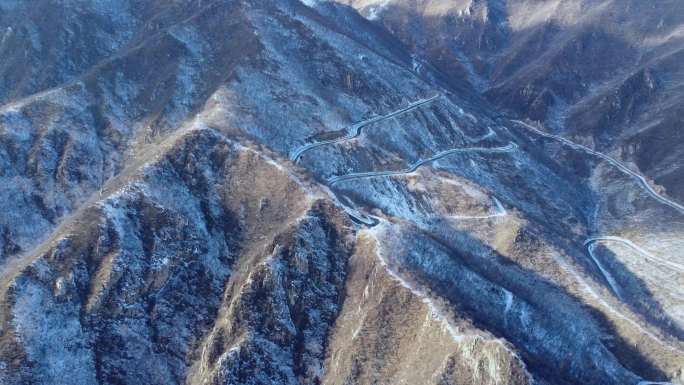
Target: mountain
x: 605, y: 73
x: 374, y: 192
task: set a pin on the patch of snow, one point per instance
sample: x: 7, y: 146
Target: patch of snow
x: 53, y: 336
x: 508, y: 301
x: 8, y: 33
x: 606, y: 274
x: 373, y: 12
x: 311, y: 3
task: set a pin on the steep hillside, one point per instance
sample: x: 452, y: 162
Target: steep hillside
x: 277, y: 192
x: 604, y: 72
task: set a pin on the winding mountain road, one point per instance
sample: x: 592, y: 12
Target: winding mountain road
x: 606, y: 274
x: 619, y: 165
x: 489, y: 134
x: 664, y: 262
x: 360, y: 218
x: 355, y: 129
x: 341, y: 178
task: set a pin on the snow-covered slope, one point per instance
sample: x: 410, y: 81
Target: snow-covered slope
x: 277, y: 192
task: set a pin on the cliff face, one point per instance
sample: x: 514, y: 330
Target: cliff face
x: 273, y: 192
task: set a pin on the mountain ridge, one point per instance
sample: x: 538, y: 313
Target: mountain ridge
x: 154, y: 210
